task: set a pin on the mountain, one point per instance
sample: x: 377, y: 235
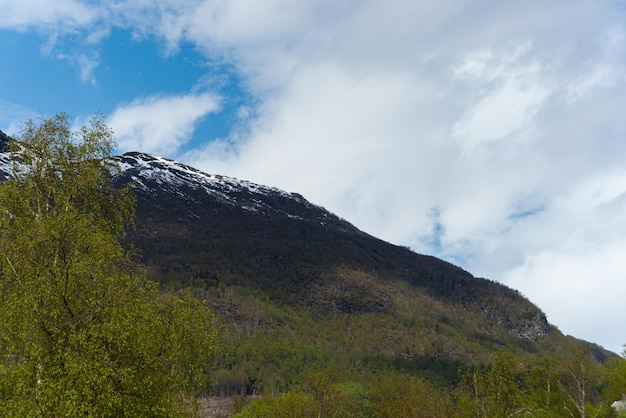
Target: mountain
x: 300, y: 290
x: 303, y: 291
x: 286, y: 242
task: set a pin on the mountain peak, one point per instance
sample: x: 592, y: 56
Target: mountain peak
x: 152, y: 174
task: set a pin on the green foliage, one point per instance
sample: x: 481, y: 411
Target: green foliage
x: 409, y: 396
x: 578, y: 380
x: 294, y: 404
x: 548, y: 388
x: 542, y: 393
x: 399, y: 360
x: 392, y: 395
x: 494, y: 391
x: 614, y: 378
x: 346, y: 399
x: 82, y: 331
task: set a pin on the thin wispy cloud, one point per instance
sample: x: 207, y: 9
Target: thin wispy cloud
x: 12, y: 116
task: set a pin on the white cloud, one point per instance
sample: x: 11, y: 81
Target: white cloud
x: 568, y: 257
x: 160, y: 124
x: 87, y: 66
x: 580, y: 285
x: 246, y: 21
x: 505, y: 111
x: 59, y: 14
x: 512, y: 94
x: 335, y: 135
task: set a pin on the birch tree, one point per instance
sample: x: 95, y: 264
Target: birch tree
x: 83, y: 332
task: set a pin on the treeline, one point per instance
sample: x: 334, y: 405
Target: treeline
x: 506, y: 387
x: 292, y: 363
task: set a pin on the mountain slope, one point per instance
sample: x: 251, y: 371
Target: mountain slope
x: 286, y: 243
x: 303, y: 291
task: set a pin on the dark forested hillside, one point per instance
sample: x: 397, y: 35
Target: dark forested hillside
x: 204, y: 230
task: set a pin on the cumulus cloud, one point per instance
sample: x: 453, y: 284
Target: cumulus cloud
x: 160, y: 124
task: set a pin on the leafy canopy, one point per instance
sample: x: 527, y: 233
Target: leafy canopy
x: 82, y: 330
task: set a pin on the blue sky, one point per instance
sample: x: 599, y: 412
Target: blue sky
x: 488, y: 133
x: 127, y: 69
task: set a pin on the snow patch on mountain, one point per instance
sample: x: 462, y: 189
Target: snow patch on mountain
x: 163, y: 170
x: 152, y: 173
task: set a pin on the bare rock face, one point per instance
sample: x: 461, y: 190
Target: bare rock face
x: 532, y: 328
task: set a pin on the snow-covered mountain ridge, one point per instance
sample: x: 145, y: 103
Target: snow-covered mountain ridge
x: 153, y: 175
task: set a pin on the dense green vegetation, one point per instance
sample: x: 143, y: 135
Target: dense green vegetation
x: 83, y: 332
x: 378, y: 365
x: 505, y: 387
